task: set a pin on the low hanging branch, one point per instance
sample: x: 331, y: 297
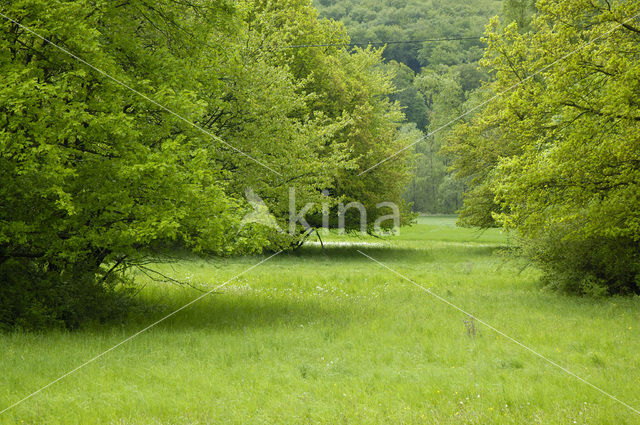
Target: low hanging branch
x: 157, y: 276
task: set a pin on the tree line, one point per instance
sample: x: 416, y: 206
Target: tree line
x: 433, y: 79
x: 556, y: 157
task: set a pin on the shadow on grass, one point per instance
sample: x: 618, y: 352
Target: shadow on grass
x: 392, y: 253
x: 256, y: 308
x: 231, y: 312
x: 350, y: 253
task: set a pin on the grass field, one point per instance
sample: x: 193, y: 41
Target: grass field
x: 331, y: 337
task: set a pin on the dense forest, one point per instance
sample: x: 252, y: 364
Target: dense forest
x: 433, y: 78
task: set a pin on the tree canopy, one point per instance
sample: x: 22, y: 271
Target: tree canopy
x: 432, y: 78
x: 151, y: 135
x: 556, y: 157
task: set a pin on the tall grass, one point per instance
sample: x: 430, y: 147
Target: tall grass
x: 328, y: 336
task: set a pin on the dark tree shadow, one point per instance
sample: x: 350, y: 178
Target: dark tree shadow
x: 347, y: 254
x: 350, y: 253
x: 228, y: 311
x: 234, y: 311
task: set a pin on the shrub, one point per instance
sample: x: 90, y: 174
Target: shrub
x: 32, y: 296
x: 593, y: 266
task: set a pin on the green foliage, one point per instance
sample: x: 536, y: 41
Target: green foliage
x: 92, y: 172
x: 557, y: 157
x: 375, y: 21
x: 519, y: 11
x: 408, y: 95
x: 371, y: 135
x: 433, y: 79
x: 95, y: 176
x: 592, y: 266
x: 33, y: 298
x: 348, y: 117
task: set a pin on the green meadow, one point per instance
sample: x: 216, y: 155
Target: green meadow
x: 328, y: 336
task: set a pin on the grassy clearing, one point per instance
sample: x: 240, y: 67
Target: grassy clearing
x: 331, y: 337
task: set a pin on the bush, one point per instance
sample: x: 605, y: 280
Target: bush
x: 556, y: 160
x: 593, y: 266
x: 32, y: 296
